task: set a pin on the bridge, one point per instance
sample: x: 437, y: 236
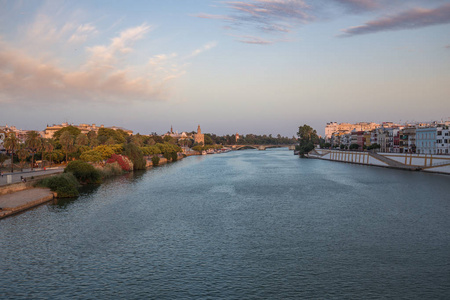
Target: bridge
x: 259, y: 147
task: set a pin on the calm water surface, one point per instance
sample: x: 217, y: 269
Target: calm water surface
x: 242, y: 225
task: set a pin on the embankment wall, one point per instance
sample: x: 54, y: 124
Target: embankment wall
x: 423, y: 162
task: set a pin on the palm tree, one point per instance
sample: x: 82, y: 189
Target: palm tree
x: 22, y: 154
x: 49, y: 147
x: 33, y: 143
x: 11, y: 144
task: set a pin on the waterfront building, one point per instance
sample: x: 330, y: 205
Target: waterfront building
x: 383, y: 140
x: 407, y: 140
x: 199, y: 138
x: 332, y: 127
x: 426, y: 140
x: 442, y: 139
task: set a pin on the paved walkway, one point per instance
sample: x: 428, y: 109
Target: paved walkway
x: 28, y: 173
x: 23, y: 200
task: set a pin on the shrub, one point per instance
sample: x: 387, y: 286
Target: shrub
x: 123, y: 161
x: 155, y: 160
x: 174, y: 156
x: 84, y: 172
x: 65, y: 185
x: 112, y: 169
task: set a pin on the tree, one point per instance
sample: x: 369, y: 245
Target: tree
x: 66, y: 140
x: 11, y: 144
x: 354, y: 146
x: 22, y: 154
x: 92, y: 137
x: 119, y: 136
x: 91, y: 156
x: 81, y: 140
x: 306, y: 134
x: 136, y: 156
x: 110, y: 141
x: 3, y: 158
x: 33, y: 143
x: 48, y: 146
x: 72, y: 130
x: 307, y: 137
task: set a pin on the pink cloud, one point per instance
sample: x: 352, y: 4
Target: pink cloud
x: 24, y: 77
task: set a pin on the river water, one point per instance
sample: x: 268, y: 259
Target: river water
x: 241, y: 225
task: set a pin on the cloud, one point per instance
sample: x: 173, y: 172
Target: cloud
x: 360, y: 5
x: 268, y: 16
x: 104, y: 76
x: 216, y: 17
x: 82, y: 33
x: 410, y: 19
x: 204, y: 48
x: 254, y: 40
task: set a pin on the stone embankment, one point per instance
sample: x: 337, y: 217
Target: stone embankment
x: 22, y: 200
x: 406, y: 161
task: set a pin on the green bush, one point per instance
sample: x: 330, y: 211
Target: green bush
x: 65, y: 185
x: 155, y: 160
x: 83, y: 172
x: 174, y: 156
x: 112, y: 169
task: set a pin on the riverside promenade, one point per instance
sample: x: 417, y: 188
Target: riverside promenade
x: 27, y: 174
x: 17, y: 196
x: 431, y: 163
x: 22, y: 200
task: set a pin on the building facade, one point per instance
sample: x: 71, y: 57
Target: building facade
x: 426, y: 140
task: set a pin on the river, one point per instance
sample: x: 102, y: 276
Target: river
x: 241, y: 225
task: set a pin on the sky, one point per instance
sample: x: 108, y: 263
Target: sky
x: 253, y: 66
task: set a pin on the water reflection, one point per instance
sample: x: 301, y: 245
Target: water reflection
x: 240, y: 225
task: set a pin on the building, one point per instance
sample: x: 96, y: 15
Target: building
x: 407, y: 138
x: 21, y: 134
x: 426, y: 140
x: 332, y: 127
x: 442, y: 139
x: 199, y: 138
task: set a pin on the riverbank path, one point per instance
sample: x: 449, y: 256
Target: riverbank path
x: 16, y: 176
x: 23, y: 200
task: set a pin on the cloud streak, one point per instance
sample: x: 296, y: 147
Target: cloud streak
x: 204, y: 48
x: 411, y: 19
x: 268, y: 16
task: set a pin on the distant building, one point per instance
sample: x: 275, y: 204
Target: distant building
x: 199, y: 138
x: 237, y: 136
x: 333, y: 127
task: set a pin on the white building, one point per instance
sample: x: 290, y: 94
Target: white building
x: 442, y: 140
